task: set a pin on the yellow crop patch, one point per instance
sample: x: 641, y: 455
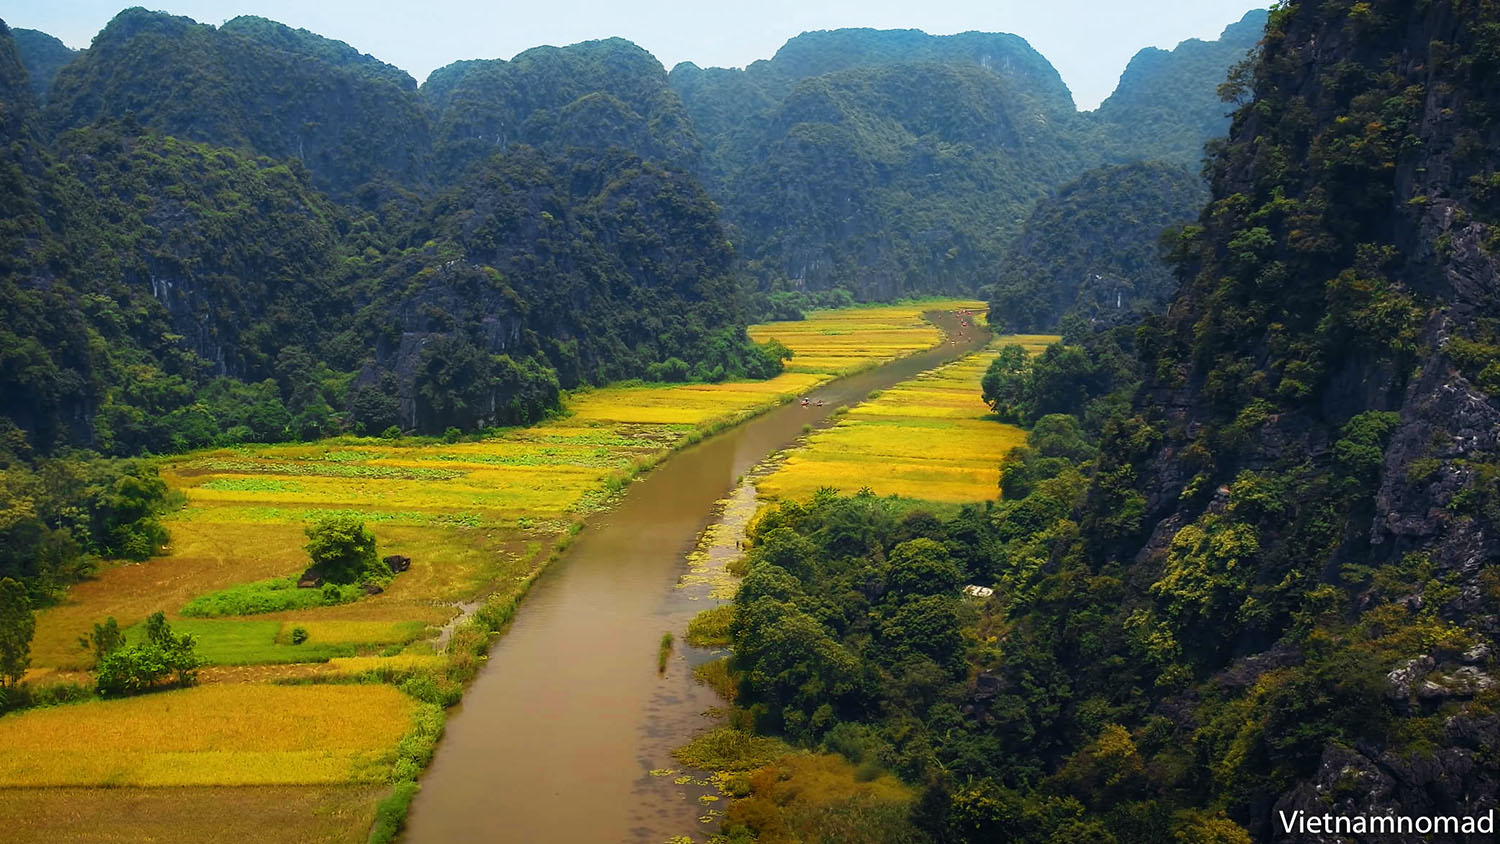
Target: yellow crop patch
x: 835, y: 342
x: 327, y: 814
x: 475, y: 517
x: 229, y: 734
x: 472, y: 515
x: 928, y: 438
x: 353, y: 666
x: 355, y: 632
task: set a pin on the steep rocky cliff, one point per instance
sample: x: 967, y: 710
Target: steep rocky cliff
x: 1320, y: 440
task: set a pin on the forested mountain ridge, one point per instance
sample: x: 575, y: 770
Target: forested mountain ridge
x: 829, y: 164
x: 894, y: 179
x: 594, y: 95
x: 1316, y: 445
x: 881, y: 162
x: 598, y: 266
x: 43, y: 57
x: 254, y: 85
x: 1167, y: 103
x: 1273, y: 588
x: 719, y: 98
x: 163, y: 294
x: 192, y: 196
x: 1092, y: 251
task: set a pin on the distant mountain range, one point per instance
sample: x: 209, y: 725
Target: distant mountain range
x: 195, y: 198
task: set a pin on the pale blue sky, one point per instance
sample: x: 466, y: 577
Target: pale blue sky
x: 1088, y: 41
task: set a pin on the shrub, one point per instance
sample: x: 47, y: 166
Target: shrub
x: 129, y: 669
x: 275, y: 595
x: 710, y: 628
x: 663, y: 653
x: 342, y: 550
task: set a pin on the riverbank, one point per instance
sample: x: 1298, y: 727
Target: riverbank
x: 570, y: 709
x: 937, y: 449
x: 480, y: 520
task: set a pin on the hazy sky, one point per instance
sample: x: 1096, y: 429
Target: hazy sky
x: 1088, y: 41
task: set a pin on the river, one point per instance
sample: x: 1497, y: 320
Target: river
x: 556, y: 737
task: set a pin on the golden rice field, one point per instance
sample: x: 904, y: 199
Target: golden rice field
x: 307, y: 814
x: 929, y: 438
x: 477, y: 518
x: 221, y: 734
x: 839, y: 341
x: 473, y: 516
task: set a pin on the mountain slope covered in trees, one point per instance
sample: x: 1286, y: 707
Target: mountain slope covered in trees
x: 162, y: 293
x: 885, y: 162
x: 43, y: 57
x: 1246, y: 564
x: 1091, y: 250
x: 251, y: 232
x: 894, y: 179
x: 882, y: 162
x: 1167, y: 102
x: 592, y: 95
x: 256, y: 86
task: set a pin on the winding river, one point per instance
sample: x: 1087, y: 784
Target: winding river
x: 556, y: 738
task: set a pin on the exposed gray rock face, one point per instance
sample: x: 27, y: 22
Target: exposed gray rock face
x: 1458, y: 779
x: 1403, y: 679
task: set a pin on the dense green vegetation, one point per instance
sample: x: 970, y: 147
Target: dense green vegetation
x: 594, y: 95
x: 250, y: 233
x: 277, y: 594
x: 1167, y: 102
x: 59, y: 516
x: 180, y: 271
x: 342, y: 551
x: 1088, y: 376
x: 1261, y: 581
x: 17, y: 626
x: 888, y: 161
x: 43, y: 57
x: 253, y: 85
x: 127, y: 667
x: 895, y: 178
x: 1090, y: 251
x: 882, y: 162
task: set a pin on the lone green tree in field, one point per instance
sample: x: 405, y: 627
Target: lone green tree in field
x: 342, y: 549
x: 130, y: 669
x: 105, y: 638
x: 17, y: 624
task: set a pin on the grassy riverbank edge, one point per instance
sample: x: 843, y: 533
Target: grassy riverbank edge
x: 472, y: 640
x: 436, y: 679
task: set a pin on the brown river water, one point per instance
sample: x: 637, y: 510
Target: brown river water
x: 556, y: 738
